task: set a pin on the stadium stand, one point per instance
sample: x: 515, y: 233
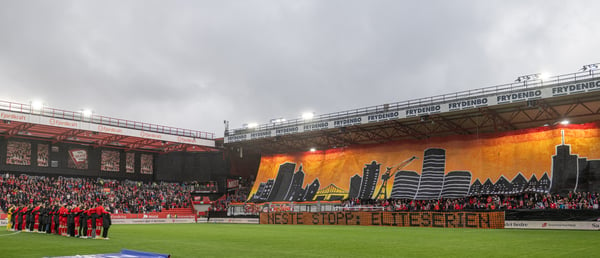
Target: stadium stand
x: 129, y: 168
x: 571, y: 201
x: 117, y: 196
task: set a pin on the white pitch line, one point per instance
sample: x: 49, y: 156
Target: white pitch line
x: 11, y: 234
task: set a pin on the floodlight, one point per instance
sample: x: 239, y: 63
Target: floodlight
x: 590, y: 67
x: 313, y: 149
x: 37, y: 105
x: 564, y: 122
x: 529, y: 77
x: 544, y: 76
x: 277, y: 120
x: 308, y: 115
x: 87, y: 112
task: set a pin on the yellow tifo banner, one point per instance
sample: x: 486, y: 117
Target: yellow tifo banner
x: 493, y: 219
x: 543, y: 159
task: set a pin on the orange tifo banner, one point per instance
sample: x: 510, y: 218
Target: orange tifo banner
x: 493, y: 219
x: 555, y: 159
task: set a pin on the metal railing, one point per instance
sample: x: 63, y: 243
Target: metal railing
x: 102, y: 120
x: 254, y: 209
x: 414, y: 103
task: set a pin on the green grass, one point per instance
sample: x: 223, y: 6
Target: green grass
x: 229, y: 240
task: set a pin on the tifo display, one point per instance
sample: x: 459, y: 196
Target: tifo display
x: 541, y: 160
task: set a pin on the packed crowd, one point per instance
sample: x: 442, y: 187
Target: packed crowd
x: 237, y: 195
x: 109, y: 160
x: 42, y: 155
x: 116, y: 196
x: 580, y: 200
x: 139, y: 197
x: 18, y: 153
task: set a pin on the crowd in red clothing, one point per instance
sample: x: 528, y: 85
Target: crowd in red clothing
x: 234, y: 196
x: 117, y: 196
x: 581, y: 200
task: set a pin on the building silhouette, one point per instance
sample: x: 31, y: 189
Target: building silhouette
x: 589, y: 176
x: 456, y: 184
x: 543, y: 185
x: 532, y: 184
x: 432, y: 177
x: 263, y: 191
x: 571, y: 173
x: 405, y: 185
x: 519, y: 184
x: 487, y: 187
x: 369, y: 180
x: 296, y: 192
x: 355, y: 182
x: 282, y: 182
x: 565, y: 169
x: 259, y: 192
x: 502, y: 186
x: 432, y: 183
x: 311, y: 190
x: 476, y: 187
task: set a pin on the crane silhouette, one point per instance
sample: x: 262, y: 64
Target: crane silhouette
x: 388, y: 174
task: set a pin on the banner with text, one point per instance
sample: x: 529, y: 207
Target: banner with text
x: 83, y: 125
x: 394, y: 219
x: 423, y: 108
x: 569, y: 225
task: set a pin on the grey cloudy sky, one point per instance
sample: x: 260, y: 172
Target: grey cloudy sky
x: 193, y: 64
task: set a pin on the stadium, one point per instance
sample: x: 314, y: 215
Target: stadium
x: 508, y: 170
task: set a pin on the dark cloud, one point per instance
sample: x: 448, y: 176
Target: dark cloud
x: 193, y: 64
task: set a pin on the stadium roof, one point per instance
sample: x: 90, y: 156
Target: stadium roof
x: 573, y: 97
x: 43, y: 123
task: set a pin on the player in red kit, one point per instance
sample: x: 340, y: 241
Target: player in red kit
x: 76, y: 211
x: 23, y: 218
x: 83, y: 218
x: 36, y: 218
x: 62, y: 221
x: 91, y: 212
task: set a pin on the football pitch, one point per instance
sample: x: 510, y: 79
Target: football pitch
x: 232, y: 240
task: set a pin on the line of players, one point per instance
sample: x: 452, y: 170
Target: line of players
x: 61, y: 220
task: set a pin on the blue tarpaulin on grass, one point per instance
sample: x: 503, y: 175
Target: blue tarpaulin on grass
x: 123, y: 254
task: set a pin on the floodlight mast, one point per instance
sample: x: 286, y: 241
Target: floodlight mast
x: 530, y: 77
x: 36, y: 106
x: 308, y: 115
x: 590, y: 68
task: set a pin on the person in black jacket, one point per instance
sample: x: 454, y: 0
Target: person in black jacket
x: 43, y: 219
x: 56, y: 219
x: 71, y: 220
x: 83, y: 225
x: 28, y: 218
x: 106, y: 222
x: 48, y: 219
